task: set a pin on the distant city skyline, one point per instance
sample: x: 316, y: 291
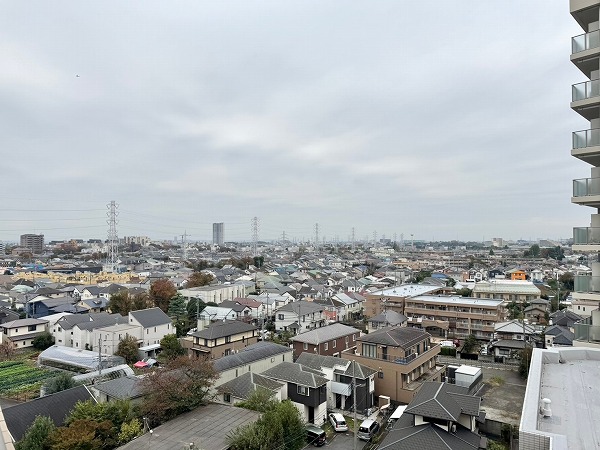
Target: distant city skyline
x: 444, y: 120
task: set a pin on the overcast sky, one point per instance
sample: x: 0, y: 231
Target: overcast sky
x: 442, y: 119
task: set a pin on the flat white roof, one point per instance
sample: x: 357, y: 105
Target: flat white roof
x: 468, y: 370
x: 406, y: 290
x: 569, y: 378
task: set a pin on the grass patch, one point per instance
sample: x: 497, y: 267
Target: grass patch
x: 496, y: 381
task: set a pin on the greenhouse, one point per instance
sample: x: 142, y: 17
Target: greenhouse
x: 76, y: 360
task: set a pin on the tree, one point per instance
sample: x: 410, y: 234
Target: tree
x: 470, y: 344
x: 464, y: 292
x: 61, y: 382
x: 171, y: 348
x: 161, y: 293
x: 420, y: 276
x: 121, y: 303
x: 261, y: 400
x: 194, y: 307
x: 128, y: 349
x: 36, y: 436
x: 279, y: 427
x: 525, y: 362
x: 7, y: 350
x: 177, y: 307
x: 197, y: 279
x: 81, y: 435
x: 141, y: 301
x: 43, y: 341
x: 567, y: 281
x: 182, y: 385
x: 130, y: 430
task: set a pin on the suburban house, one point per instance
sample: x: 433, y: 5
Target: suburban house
x: 223, y: 338
x: 239, y: 389
x: 22, y: 332
x: 109, y: 337
x: 511, y: 337
x: 243, y: 312
x: 7, y: 314
x: 155, y: 325
x: 441, y: 415
x: 329, y: 340
x: 49, y: 305
x: 387, y: 318
x: 306, y: 388
x: 212, y: 314
x: 403, y: 357
x: 76, y: 330
x: 299, y: 316
x: 254, y: 358
x: 340, y: 374
x: 121, y: 388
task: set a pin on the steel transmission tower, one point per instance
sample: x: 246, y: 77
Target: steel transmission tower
x: 316, y: 237
x: 255, y: 236
x: 113, y: 238
x: 353, y: 239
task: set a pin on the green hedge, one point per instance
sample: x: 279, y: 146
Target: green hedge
x: 448, y: 351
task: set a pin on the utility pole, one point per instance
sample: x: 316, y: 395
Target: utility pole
x: 354, y: 401
x: 100, y: 356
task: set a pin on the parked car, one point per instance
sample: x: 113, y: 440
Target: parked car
x: 368, y: 429
x: 315, y: 435
x: 338, y: 422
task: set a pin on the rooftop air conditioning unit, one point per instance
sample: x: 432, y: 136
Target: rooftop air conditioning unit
x: 545, y: 410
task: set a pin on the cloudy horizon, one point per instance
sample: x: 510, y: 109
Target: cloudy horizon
x: 441, y: 120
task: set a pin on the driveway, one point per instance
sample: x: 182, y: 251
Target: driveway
x: 344, y: 441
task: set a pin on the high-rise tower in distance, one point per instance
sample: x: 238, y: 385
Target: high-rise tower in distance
x: 585, y: 54
x: 34, y: 242
x: 218, y: 233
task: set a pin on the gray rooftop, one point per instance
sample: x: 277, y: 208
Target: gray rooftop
x: 395, y: 336
x: 296, y: 373
x: 325, y: 334
x: 223, y: 328
x: 150, y: 317
x: 122, y: 388
x: 207, y: 427
x: 250, y: 354
x: 569, y: 378
x: 247, y: 383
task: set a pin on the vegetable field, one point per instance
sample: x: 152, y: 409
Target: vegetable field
x: 17, y: 377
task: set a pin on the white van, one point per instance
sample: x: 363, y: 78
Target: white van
x: 396, y: 414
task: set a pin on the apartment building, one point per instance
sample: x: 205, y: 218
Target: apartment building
x: 455, y: 316
x: 403, y: 358
x: 585, y: 54
x: 392, y: 298
x: 218, y: 293
x: 508, y: 290
x: 33, y: 242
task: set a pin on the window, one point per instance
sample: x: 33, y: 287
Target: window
x: 305, y: 346
x: 227, y: 339
x: 31, y: 327
x: 333, y: 344
x: 155, y: 329
x: 303, y: 318
x: 369, y: 350
x: 380, y: 374
x: 227, y: 398
x: 346, y: 339
x: 303, y: 390
x: 279, y: 316
x: 326, y: 345
x: 353, y: 337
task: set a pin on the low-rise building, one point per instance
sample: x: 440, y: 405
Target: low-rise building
x: 22, y: 332
x: 404, y: 358
x: 507, y: 290
x: 223, y: 338
x: 393, y: 298
x: 299, y: 316
x: 329, y: 340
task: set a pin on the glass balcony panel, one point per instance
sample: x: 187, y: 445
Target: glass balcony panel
x: 583, y: 236
x: 586, y: 186
x: 586, y: 283
x: 586, y: 138
x: 585, y: 41
x: 588, y: 89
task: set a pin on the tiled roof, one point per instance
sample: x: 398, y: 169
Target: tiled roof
x: 356, y: 370
x: 390, y: 317
x: 56, y: 406
x: 395, y: 336
x: 250, y: 354
x: 150, y: 317
x: 244, y: 385
x: 301, y: 307
x: 122, y: 388
x: 224, y: 328
x: 23, y: 323
x: 317, y: 362
x: 325, y: 334
x: 433, y: 401
x: 295, y: 373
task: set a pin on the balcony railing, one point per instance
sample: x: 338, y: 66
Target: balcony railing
x: 585, y: 90
x: 586, y: 186
x: 585, y: 41
x: 585, y: 331
x: 586, y: 236
x: 586, y: 283
x: 406, y: 360
x: 586, y: 138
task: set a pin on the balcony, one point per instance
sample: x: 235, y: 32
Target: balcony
x: 586, y: 239
x: 586, y: 146
x: 585, y: 42
x: 586, y: 283
x: 406, y: 360
x: 586, y: 192
x: 585, y: 98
